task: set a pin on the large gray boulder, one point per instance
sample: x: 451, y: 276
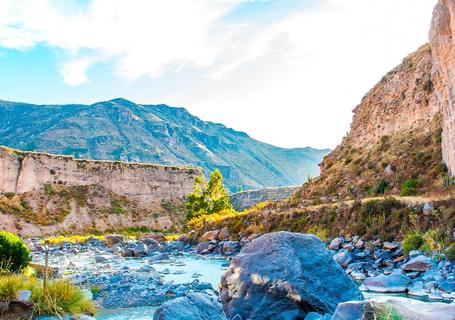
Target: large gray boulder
x: 284, y: 276
x: 195, y: 306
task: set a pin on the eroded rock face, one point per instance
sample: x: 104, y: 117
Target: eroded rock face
x: 284, y: 275
x: 443, y: 73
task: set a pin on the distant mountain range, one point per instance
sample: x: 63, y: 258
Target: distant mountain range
x: 122, y: 130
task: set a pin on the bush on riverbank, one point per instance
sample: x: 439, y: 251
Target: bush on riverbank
x: 14, y: 253
x: 60, y: 299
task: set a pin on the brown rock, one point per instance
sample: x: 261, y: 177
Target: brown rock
x: 211, y: 235
x: 224, y: 234
x: 442, y: 35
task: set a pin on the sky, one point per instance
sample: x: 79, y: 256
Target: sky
x: 287, y: 72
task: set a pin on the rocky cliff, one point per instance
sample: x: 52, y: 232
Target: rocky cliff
x: 248, y: 199
x: 44, y: 193
x: 443, y: 73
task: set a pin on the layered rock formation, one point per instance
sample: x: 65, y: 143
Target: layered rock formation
x: 43, y: 194
x: 443, y: 73
x: 22, y: 172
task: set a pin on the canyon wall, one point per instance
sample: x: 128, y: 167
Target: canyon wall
x: 247, y: 199
x: 44, y: 194
x: 442, y: 34
x: 402, y: 101
x: 22, y: 172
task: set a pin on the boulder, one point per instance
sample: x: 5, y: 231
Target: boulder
x: 391, y: 245
x: 390, y: 283
x: 151, y: 244
x: 195, y: 306
x: 224, y: 234
x: 211, y: 235
x: 419, y: 263
x: 113, y: 239
x: 203, y: 247
x: 230, y: 247
x: 284, y: 275
x: 140, y: 250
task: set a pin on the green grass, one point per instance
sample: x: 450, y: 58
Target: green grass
x: 387, y: 313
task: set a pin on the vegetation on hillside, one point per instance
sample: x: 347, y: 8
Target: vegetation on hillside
x: 387, y: 218
x: 208, y: 197
x: 407, y: 164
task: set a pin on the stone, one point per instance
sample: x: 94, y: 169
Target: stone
x: 284, y: 275
x: 101, y: 258
x: 317, y: 316
x: 386, y: 283
x: 151, y: 244
x: 224, y: 234
x: 203, y: 247
x: 390, y: 245
x: 359, y: 244
x: 23, y: 295
x: 343, y: 258
x: 195, y: 306
x: 113, y: 239
x: 419, y: 263
x: 230, y: 247
x: 140, y: 250
x: 446, y: 285
x: 351, y: 310
x: 211, y: 235
x: 336, y: 243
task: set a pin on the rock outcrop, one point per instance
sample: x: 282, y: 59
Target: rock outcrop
x: 284, y: 275
x: 42, y: 193
x: 22, y: 172
x: 443, y: 73
x: 247, y: 199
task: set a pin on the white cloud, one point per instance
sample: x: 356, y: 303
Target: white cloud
x: 74, y: 71
x: 291, y: 81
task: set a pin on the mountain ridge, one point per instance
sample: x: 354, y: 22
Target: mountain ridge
x: 119, y: 129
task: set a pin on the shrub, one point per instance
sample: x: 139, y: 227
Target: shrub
x: 413, y: 241
x: 450, y: 252
x: 14, y: 254
x: 381, y: 187
x: 409, y: 187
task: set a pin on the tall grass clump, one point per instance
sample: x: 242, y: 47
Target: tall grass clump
x: 61, y: 298
x: 413, y: 241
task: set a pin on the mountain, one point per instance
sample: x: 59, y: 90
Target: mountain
x: 122, y: 130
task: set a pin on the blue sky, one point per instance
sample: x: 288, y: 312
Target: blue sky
x: 288, y: 72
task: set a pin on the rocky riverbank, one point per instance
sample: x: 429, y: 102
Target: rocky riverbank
x: 122, y: 273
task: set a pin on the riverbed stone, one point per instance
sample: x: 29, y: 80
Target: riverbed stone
x: 113, y: 239
x: 420, y: 263
x: 195, y: 306
x: 351, y: 310
x: 386, y: 283
x: 284, y: 275
x: 336, y: 243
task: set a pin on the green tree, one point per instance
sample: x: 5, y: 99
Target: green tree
x: 14, y: 253
x: 208, y: 197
